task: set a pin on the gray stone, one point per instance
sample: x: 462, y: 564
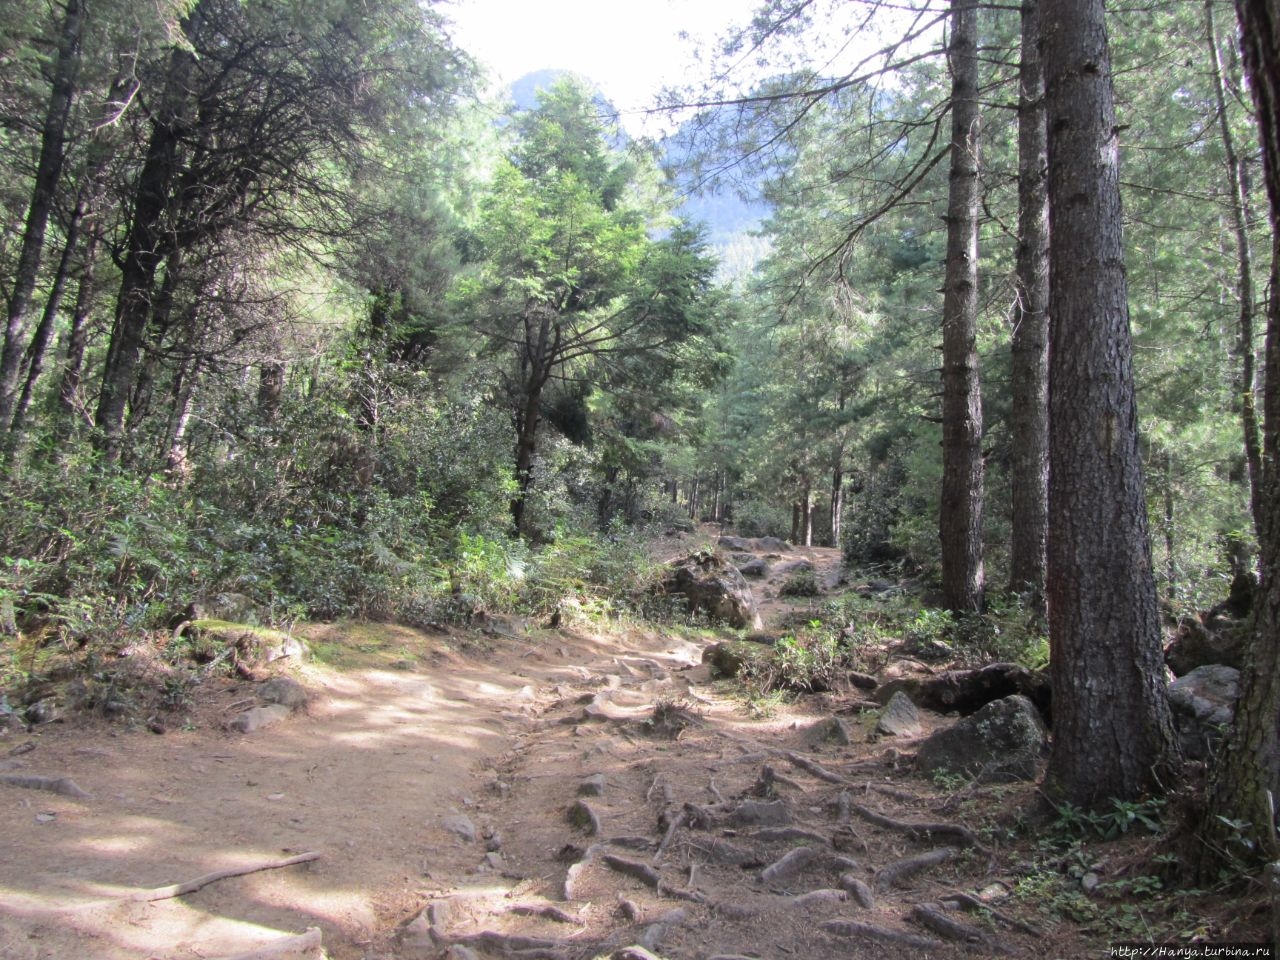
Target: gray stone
x: 755, y: 567
x: 832, y: 730
x: 773, y: 545
x: 285, y: 691
x: 459, y: 952
x: 460, y: 825
x: 1002, y: 742
x: 1195, y: 644
x: 734, y: 543
x: 1203, y: 704
x: 259, y: 718
x: 900, y: 717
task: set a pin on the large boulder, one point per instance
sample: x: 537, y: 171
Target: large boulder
x: 1203, y: 703
x: 711, y: 585
x: 967, y: 691
x: 1002, y: 742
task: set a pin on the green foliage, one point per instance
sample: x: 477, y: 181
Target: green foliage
x: 807, y: 661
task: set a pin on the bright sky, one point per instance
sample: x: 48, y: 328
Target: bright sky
x: 631, y: 48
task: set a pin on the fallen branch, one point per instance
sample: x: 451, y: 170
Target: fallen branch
x: 199, y: 883
x: 893, y: 873
x: 971, y: 902
x: 63, y: 785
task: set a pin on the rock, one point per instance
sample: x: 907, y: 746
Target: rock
x: 1195, y: 644
x: 832, y: 730
x: 1001, y: 743
x: 773, y: 545
x: 592, y: 786
x: 1203, y: 704
x: 863, y: 681
x: 711, y: 585
x: 259, y: 718
x: 460, y: 825
x: 761, y: 813
x: 967, y: 691
x: 735, y: 543
x: 755, y: 567
x: 285, y: 691
x: 900, y: 717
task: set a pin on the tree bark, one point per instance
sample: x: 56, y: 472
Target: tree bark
x: 1112, y: 732
x: 48, y: 170
x: 1246, y: 782
x: 837, y: 503
x: 960, y: 524
x: 1029, y: 472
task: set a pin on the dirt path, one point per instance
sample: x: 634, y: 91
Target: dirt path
x: 599, y: 822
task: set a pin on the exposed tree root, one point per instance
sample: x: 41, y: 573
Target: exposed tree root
x: 62, y: 785
x: 894, y: 873
x: 969, y: 901
x: 817, y: 770
x: 634, y: 952
x: 868, y: 931
x: 921, y: 830
x: 791, y: 865
x: 788, y: 834
x: 676, y: 822
x: 633, y: 868
x: 547, y: 910
x: 582, y: 816
x: 930, y: 916
x: 729, y: 854
x: 859, y: 889
x: 818, y: 897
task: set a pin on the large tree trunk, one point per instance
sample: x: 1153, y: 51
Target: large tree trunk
x: 1246, y: 785
x: 960, y: 524
x: 144, y: 249
x: 48, y: 170
x: 1246, y: 382
x: 1029, y: 472
x: 1112, y: 730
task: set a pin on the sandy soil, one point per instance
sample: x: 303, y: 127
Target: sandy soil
x: 405, y: 730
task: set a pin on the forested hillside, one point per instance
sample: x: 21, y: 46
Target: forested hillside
x: 296, y: 317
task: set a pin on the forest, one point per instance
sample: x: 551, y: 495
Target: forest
x: 296, y: 314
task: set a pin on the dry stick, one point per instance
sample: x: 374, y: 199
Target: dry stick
x: 63, y: 785
x: 715, y: 792
x: 191, y: 886
x: 899, y: 870
x: 973, y: 903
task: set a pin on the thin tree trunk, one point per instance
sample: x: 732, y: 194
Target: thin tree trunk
x: 70, y: 405
x: 1246, y: 783
x: 806, y: 515
x: 33, y: 361
x: 1029, y: 472
x: 837, y: 503
x: 48, y: 170
x: 1246, y: 383
x: 1112, y: 729
x: 270, y: 389
x: 960, y: 524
